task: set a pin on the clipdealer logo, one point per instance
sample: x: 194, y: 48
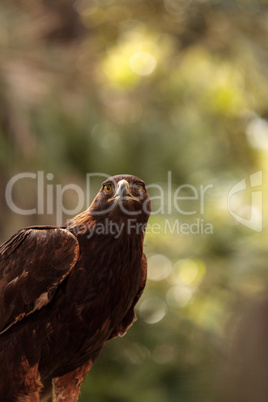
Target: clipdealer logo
x: 254, y: 221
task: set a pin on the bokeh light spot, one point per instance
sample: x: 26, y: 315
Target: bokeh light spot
x: 152, y: 310
x: 142, y: 63
x: 257, y: 133
x: 188, y: 272
x: 163, y: 354
x: 159, y: 267
x: 179, y: 296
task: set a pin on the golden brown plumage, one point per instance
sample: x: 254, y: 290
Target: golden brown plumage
x: 65, y: 291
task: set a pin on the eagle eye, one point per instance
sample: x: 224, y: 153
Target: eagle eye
x: 108, y: 188
x: 138, y: 188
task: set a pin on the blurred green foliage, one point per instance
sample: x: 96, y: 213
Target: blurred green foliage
x: 148, y: 88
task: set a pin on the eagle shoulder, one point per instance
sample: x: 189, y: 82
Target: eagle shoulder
x: 33, y: 263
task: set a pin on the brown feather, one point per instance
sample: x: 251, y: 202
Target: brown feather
x: 65, y: 291
x: 30, y: 283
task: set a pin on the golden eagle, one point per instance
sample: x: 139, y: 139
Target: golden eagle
x: 66, y: 290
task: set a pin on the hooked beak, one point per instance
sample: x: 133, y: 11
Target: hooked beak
x: 122, y: 190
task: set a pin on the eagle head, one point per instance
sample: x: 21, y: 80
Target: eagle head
x: 120, y: 198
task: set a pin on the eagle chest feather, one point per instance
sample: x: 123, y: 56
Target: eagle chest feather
x: 113, y: 280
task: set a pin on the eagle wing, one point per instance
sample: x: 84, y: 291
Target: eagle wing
x: 33, y: 263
